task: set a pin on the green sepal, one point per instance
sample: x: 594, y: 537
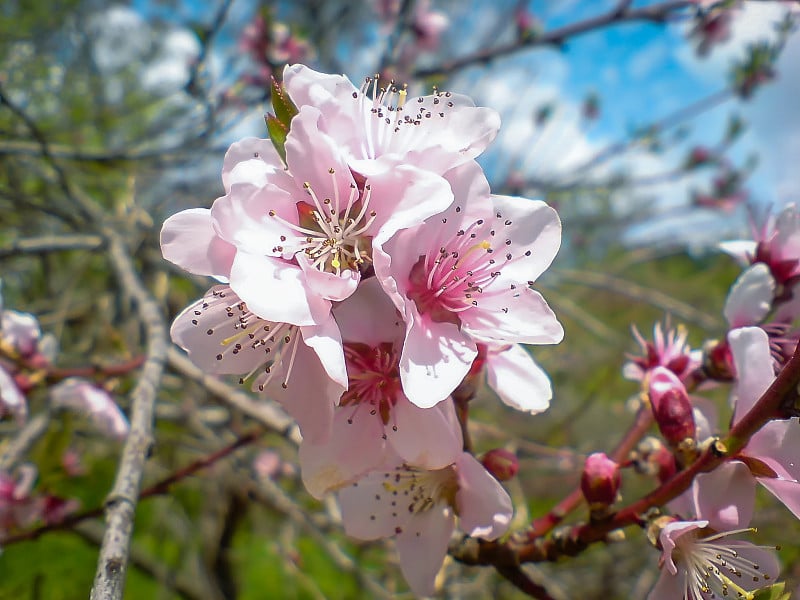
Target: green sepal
x: 282, y: 104
x: 277, y: 134
x: 776, y: 591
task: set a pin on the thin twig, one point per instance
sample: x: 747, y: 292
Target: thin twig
x: 265, y: 413
x: 50, y: 243
x: 121, y: 503
x: 657, y: 13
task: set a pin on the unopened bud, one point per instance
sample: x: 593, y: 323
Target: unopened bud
x: 672, y: 409
x: 718, y: 360
x: 654, y: 459
x: 600, y: 480
x: 501, y: 463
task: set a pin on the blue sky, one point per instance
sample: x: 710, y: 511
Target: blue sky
x: 640, y: 71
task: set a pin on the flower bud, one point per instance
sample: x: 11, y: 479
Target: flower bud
x: 671, y: 407
x: 600, y: 480
x: 718, y: 360
x: 501, y: 463
x: 653, y: 458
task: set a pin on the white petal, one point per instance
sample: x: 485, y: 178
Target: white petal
x: 750, y: 297
x: 518, y: 380
x: 754, y: 371
x: 422, y: 546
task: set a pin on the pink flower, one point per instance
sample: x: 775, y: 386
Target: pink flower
x: 700, y: 558
x: 433, y: 132
x: 374, y: 419
x: 418, y: 507
x: 772, y: 452
x: 463, y: 278
x: 516, y: 378
x: 428, y: 25
x: 17, y: 507
x: 223, y: 336
x: 12, y: 400
x: 777, y: 245
x: 84, y: 398
x: 668, y: 349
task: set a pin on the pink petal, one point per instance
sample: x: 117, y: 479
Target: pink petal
x: 252, y: 161
x: 534, y: 226
x: 754, y: 371
x: 778, y: 442
x: 355, y: 447
x: 425, y: 437
x: 326, y: 342
x: 311, y: 156
x: 785, y: 491
x: 669, y: 586
x: 329, y: 285
x: 742, y: 250
x: 750, y: 297
x: 422, y: 546
x: 484, y: 507
x: 188, y: 239
x: 406, y: 196
x: 243, y: 219
x: 726, y: 496
x: 276, y: 290
x: 518, y: 380
x: 368, y: 316
x: 436, y: 357
x: 308, y: 87
x: 669, y: 537
x: 367, y: 511
x: 310, y: 394
x: 520, y: 316
x: 20, y: 330
x: 210, y: 313
x: 85, y: 398
x: 11, y: 399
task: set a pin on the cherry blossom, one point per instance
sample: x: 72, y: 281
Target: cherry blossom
x: 85, y: 398
x: 464, y: 277
x: 776, y: 244
x: 668, y: 349
x: 374, y: 419
x: 701, y: 559
x: 434, y: 132
x: 223, y: 336
x: 418, y: 507
x: 772, y: 452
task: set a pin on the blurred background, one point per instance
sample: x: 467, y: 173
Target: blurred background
x: 657, y: 129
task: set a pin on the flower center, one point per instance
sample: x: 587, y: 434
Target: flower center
x: 333, y: 232
x: 374, y: 379
x: 392, y: 125
x: 715, y: 568
x: 249, y: 332
x: 453, y: 279
x: 422, y: 490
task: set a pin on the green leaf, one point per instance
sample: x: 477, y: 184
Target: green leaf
x: 277, y: 133
x: 283, y: 105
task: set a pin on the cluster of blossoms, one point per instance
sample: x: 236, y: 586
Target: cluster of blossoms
x: 702, y: 556
x: 366, y: 270
x: 26, y: 359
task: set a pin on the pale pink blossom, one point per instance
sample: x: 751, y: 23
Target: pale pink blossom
x: 776, y: 244
x: 428, y: 25
x: 374, y: 419
x: 12, y: 400
x: 20, y: 508
x: 85, y: 398
x: 750, y: 298
x: 514, y: 376
x: 463, y: 278
x: 300, y: 367
x: 435, y: 132
x: 701, y: 559
x: 772, y: 452
x: 418, y: 507
x: 668, y: 349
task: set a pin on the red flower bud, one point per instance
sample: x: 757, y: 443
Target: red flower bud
x: 672, y: 408
x: 600, y: 480
x: 501, y: 463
